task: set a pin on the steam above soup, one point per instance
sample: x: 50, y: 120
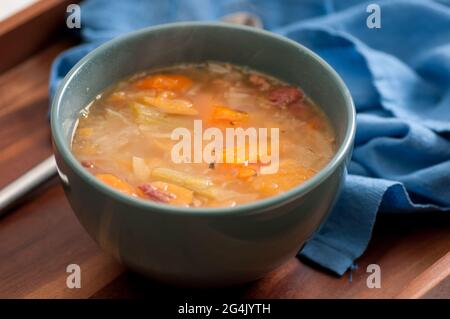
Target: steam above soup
x: 207, y: 135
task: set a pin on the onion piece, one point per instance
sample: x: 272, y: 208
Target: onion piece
x: 140, y: 168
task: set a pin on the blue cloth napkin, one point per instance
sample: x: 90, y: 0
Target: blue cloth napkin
x: 399, y: 77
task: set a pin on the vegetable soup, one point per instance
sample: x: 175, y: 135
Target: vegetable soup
x: 125, y: 137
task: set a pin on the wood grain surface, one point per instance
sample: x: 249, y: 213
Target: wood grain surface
x: 41, y: 236
x: 25, y: 32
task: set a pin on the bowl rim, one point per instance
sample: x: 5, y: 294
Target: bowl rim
x: 260, y: 205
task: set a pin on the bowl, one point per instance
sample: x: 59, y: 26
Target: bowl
x: 199, y: 246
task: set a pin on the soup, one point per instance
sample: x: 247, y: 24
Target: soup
x: 133, y: 136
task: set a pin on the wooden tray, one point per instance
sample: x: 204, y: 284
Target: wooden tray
x: 39, y: 238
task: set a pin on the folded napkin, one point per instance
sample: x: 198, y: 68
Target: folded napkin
x: 398, y: 75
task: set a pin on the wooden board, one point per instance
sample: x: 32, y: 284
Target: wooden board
x: 29, y: 30
x: 39, y: 238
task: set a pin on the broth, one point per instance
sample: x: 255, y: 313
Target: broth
x: 124, y: 137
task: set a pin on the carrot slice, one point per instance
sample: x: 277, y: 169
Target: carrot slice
x: 118, y: 184
x: 245, y: 173
x: 170, y: 82
x: 181, y: 195
x: 289, y: 175
x: 246, y: 156
x: 223, y: 113
x: 239, y: 158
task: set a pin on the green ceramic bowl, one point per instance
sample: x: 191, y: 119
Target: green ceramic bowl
x: 201, y: 247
